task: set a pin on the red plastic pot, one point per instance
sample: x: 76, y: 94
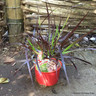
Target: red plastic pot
x: 48, y: 78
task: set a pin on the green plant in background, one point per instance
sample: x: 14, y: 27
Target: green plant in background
x: 53, y: 45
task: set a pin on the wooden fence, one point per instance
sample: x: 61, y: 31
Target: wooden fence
x: 35, y: 9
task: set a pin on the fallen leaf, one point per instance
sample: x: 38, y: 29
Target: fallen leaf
x: 9, y: 60
x: 4, y: 80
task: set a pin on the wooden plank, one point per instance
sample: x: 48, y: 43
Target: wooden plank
x: 60, y: 9
x: 80, y: 4
x: 66, y: 31
x: 85, y: 23
x: 62, y: 12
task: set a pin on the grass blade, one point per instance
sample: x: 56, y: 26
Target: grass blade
x: 65, y: 23
x: 28, y: 65
x: 39, y: 22
x: 53, y: 43
x: 82, y: 60
x: 73, y: 64
x: 64, y: 66
x: 77, y: 40
x: 37, y: 65
x: 70, y: 34
x: 33, y: 48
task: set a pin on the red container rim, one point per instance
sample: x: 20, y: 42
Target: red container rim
x: 52, y: 71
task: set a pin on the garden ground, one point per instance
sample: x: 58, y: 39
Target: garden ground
x: 82, y: 83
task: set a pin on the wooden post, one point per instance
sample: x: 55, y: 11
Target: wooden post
x: 14, y: 19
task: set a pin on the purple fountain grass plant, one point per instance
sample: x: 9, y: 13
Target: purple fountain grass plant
x: 53, y: 45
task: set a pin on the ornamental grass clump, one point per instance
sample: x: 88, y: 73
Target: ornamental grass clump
x: 53, y: 45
